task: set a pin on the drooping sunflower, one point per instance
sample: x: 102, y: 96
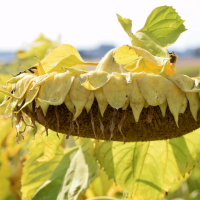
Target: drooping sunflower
x: 134, y: 94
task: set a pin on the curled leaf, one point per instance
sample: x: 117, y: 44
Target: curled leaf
x: 62, y: 56
x: 93, y: 80
x: 139, y: 59
x: 162, y: 28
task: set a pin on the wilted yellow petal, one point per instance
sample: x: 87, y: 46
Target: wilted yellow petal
x: 23, y: 85
x: 184, y: 82
x: 89, y: 102
x: 189, y: 86
x: 124, y: 107
x: 20, y: 101
x: 94, y: 79
x: 15, y: 79
x: 129, y: 77
x: 56, y: 89
x: 69, y: 103
x: 154, y: 88
x: 21, y: 88
x: 44, y: 106
x: 79, y: 96
x: 117, y: 91
x: 40, y: 80
x: 194, y: 103
x: 84, y: 81
x: 137, y: 100
x: 30, y: 95
x: 163, y: 108
x: 176, y: 100
x: 98, y: 78
x: 4, y: 91
x: 8, y: 110
x: 101, y: 99
x: 5, y: 101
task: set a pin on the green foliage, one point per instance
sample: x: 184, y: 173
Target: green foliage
x: 149, y: 166
x: 164, y: 24
x: 82, y: 169
x: 63, y: 177
x: 162, y: 28
x: 36, y: 173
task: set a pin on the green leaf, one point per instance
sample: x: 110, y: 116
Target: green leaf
x: 35, y: 173
x: 72, y: 175
x: 127, y: 26
x: 63, y: 56
x: 164, y: 24
x: 83, y: 168
x: 146, y: 169
x: 162, y: 28
x: 51, y: 187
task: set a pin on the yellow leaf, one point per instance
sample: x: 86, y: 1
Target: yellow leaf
x: 125, y: 55
x: 139, y: 59
x: 62, y: 56
x: 78, y: 96
x: 144, y: 66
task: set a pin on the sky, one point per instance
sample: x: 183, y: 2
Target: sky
x: 86, y: 24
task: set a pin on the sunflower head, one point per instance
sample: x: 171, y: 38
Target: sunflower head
x: 134, y: 94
